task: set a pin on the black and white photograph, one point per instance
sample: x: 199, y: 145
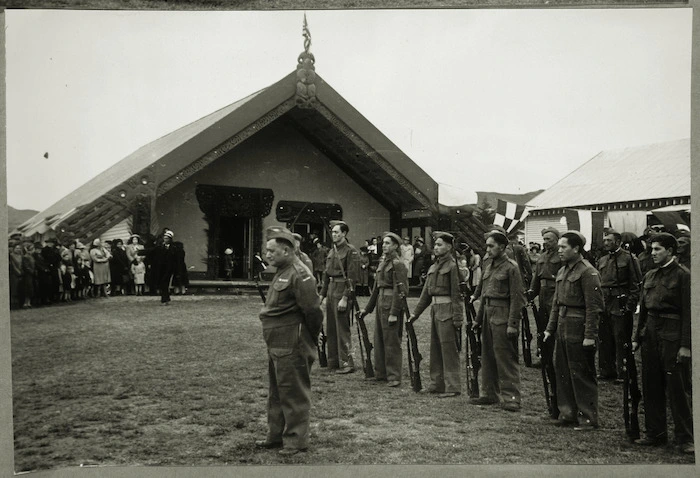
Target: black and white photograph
x: 426, y: 237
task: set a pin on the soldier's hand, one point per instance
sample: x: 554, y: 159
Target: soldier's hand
x: 476, y: 326
x: 410, y: 319
x: 363, y: 313
x: 393, y: 320
x: 683, y: 355
x: 323, y: 302
x: 547, y: 335
x: 589, y: 343
x: 512, y: 332
x: 635, y: 346
x: 458, y: 325
x: 343, y: 304
x: 471, y: 299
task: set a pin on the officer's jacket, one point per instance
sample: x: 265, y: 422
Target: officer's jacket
x: 391, y: 274
x: 546, y: 268
x: 442, y: 279
x: 620, y: 274
x: 342, y: 259
x: 502, y: 280
x: 577, y: 288
x: 666, y: 294
x: 292, y: 299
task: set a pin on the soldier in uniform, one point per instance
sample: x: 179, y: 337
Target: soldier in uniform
x: 619, y: 278
x: 664, y: 333
x: 291, y: 320
x: 303, y: 257
x: 441, y: 289
x: 502, y: 298
x: 392, y: 281
x: 339, y: 278
x: 578, y: 303
x: 646, y: 263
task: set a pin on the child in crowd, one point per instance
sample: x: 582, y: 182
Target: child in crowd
x: 70, y: 272
x: 228, y: 265
x: 64, y: 283
x: 138, y: 270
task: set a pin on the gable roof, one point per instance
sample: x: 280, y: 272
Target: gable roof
x: 654, y: 171
x: 169, y: 159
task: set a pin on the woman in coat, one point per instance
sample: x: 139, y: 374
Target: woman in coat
x: 100, y: 267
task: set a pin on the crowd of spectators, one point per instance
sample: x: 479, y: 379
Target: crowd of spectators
x: 50, y: 272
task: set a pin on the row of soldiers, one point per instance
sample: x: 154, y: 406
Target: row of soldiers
x: 574, y: 296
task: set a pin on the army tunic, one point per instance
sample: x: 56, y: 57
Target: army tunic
x: 344, y: 258
x: 442, y: 289
x: 291, y: 320
x: 391, y: 282
x: 543, y: 283
x: 664, y: 327
x: 502, y: 298
x: 578, y: 303
x: 619, y: 276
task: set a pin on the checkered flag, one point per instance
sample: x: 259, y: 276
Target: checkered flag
x: 509, y: 215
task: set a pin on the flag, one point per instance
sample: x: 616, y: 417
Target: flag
x: 509, y: 215
x: 671, y: 220
x: 588, y: 223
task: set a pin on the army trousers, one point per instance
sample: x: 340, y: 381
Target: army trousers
x: 387, y: 343
x: 444, y: 357
x: 290, y: 354
x: 662, y: 376
x: 614, y: 331
x: 338, y: 328
x: 574, y: 367
x: 500, y: 372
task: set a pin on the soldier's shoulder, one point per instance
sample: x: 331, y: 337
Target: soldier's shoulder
x: 513, y: 263
x: 301, y: 270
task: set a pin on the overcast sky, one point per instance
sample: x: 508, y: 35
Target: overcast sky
x: 493, y: 100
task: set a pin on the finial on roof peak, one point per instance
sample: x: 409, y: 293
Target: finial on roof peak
x: 306, y: 72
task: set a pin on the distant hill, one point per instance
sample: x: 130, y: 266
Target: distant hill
x: 15, y: 217
x: 492, y: 197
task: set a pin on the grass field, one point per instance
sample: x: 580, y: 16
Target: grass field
x: 124, y: 381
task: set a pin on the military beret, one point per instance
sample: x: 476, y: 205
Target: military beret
x: 394, y: 237
x: 278, y: 232
x: 496, y: 232
x: 578, y: 233
x: 550, y: 229
x: 420, y: 239
x: 445, y: 236
x: 297, y: 236
x: 613, y: 232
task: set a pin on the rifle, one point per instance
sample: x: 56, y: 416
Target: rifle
x: 363, y: 337
x: 547, y: 366
x: 262, y: 266
x: 526, y: 337
x: 414, y: 356
x: 472, y: 352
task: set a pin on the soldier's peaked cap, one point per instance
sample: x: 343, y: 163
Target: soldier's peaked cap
x: 613, y: 232
x: 278, y: 232
x: 445, y: 236
x: 297, y: 236
x: 495, y: 229
x: 550, y: 229
x: 394, y: 237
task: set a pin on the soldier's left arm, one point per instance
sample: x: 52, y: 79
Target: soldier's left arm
x: 635, y: 281
x: 517, y: 296
x: 455, y: 295
x: 685, y: 308
x: 307, y: 299
x: 400, y: 286
x: 593, y: 300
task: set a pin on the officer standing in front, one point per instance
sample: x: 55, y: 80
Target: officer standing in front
x: 391, y: 282
x: 502, y: 298
x: 620, y: 280
x: 441, y: 288
x: 664, y: 333
x: 578, y: 303
x: 339, y: 278
x: 291, y: 320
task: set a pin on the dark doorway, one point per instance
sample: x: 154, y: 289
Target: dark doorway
x: 233, y: 234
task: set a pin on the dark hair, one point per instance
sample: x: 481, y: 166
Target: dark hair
x: 573, y: 240
x: 667, y: 241
x: 500, y: 238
